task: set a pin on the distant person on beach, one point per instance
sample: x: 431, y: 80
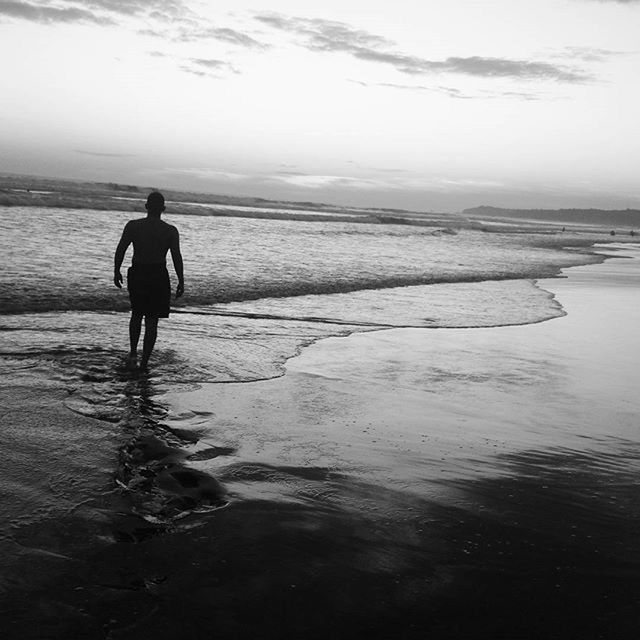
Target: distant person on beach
x: 148, y: 278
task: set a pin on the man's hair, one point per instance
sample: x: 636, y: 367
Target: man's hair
x: 155, y: 201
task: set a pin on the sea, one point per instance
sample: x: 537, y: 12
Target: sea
x: 91, y: 455
x: 277, y: 283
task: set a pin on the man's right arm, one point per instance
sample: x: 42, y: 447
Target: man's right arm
x: 176, y: 256
x: 121, y: 249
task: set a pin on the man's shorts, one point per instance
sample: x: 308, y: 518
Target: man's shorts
x: 149, y: 289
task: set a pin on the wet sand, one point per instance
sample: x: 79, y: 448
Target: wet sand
x: 443, y: 483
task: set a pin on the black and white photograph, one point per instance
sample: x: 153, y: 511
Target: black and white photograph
x: 320, y: 320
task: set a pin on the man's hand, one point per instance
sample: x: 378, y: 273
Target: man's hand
x: 117, y: 279
x: 179, y: 289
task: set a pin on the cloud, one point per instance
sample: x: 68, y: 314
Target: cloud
x: 191, y: 31
x: 224, y: 34
x: 158, y: 9
x: 503, y: 67
x: 393, y: 183
x: 448, y: 91
x: 104, y: 12
x: 206, y: 173
x: 209, y: 64
x: 336, y: 37
x: 588, y: 54
x: 326, y: 35
x: 101, y: 154
x: 46, y: 14
x: 452, y: 92
x: 296, y: 179
x: 518, y: 95
x: 206, y: 66
x: 289, y: 173
x: 402, y: 182
x: 154, y: 33
x: 319, y: 181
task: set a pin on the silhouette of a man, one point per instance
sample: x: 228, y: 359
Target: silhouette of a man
x: 148, y: 278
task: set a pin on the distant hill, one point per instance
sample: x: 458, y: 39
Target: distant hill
x: 627, y: 218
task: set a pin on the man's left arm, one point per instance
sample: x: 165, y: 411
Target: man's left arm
x: 176, y: 256
x: 121, y: 249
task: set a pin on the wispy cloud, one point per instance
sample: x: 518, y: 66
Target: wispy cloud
x: 104, y: 12
x: 312, y: 181
x: 452, y: 92
x: 223, y: 34
x: 158, y: 9
x: 289, y: 173
x: 169, y: 20
x: 207, y: 67
x: 199, y: 31
x: 587, y: 54
x: 448, y: 91
x: 46, y: 14
x: 517, y: 95
x: 325, y: 35
x: 292, y: 178
x: 190, y: 33
x: 101, y: 154
x: 390, y: 183
x: 402, y: 181
x: 337, y: 37
x: 209, y: 64
x: 206, y: 173
x: 153, y: 33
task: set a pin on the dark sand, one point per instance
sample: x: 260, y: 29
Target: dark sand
x: 400, y: 484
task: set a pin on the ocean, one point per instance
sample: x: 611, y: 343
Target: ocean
x: 97, y: 455
x: 277, y: 283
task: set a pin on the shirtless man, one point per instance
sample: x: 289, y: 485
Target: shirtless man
x: 148, y: 278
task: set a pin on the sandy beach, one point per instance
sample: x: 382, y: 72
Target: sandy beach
x: 411, y: 483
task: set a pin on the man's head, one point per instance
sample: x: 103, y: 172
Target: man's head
x: 155, y: 203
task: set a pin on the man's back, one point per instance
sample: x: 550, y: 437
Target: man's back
x: 151, y: 238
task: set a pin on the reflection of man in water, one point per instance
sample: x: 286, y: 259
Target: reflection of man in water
x: 148, y: 278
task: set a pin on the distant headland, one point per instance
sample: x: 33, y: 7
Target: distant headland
x: 623, y: 218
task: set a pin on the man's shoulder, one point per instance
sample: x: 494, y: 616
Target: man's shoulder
x: 135, y: 223
x: 132, y: 227
x: 169, y: 227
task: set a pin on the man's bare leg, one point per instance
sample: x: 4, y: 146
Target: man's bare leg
x: 135, y: 327
x: 150, y: 335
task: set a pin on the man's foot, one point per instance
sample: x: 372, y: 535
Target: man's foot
x: 144, y: 365
x: 132, y: 362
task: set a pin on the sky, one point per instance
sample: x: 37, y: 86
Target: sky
x: 431, y: 105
